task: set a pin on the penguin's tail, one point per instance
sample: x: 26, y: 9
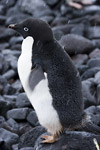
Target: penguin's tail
x: 88, y: 126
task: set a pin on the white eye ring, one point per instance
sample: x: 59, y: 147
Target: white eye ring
x: 26, y: 29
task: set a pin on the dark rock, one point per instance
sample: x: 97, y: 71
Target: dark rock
x: 2, y: 19
x: 94, y: 112
x: 58, y: 35
x: 64, y: 28
x: 18, y: 113
x: 2, y: 10
x: 35, y: 8
x: 15, y: 147
x: 8, y: 3
x: 51, y: 2
x: 48, y: 19
x: 93, y: 32
x: 27, y: 148
x: 29, y: 138
x: 2, y: 120
x: 5, y: 34
x: 95, y: 53
x: 93, y: 62
x: 8, y: 138
x: 92, y: 9
x: 59, y: 21
x: 79, y: 29
x: 13, y: 124
x: 4, y: 107
x: 75, y: 44
x: 16, y: 46
x: 90, y: 73
x: 3, y: 64
x: 88, y: 96
x: 10, y: 98
x: 3, y: 83
x: 32, y: 118
x: 79, y: 59
x: 98, y: 94
x: 71, y: 141
x: 95, y: 20
x: 22, y: 101
x: 13, y: 64
x: 97, y: 78
x: 96, y: 42
x: 17, y: 85
x: 4, y: 46
x: 24, y: 127
x: 9, y: 74
x: 82, y: 68
x: 11, y: 54
x: 9, y: 90
x: 15, y: 40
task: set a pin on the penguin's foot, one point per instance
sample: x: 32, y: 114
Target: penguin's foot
x: 49, y: 138
x: 75, y: 5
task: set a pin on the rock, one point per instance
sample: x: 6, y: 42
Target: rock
x: 88, y: 96
x: 90, y: 73
x: 12, y: 54
x: 95, y: 20
x: 5, y: 34
x: 29, y: 138
x: 9, y: 74
x: 71, y: 140
x: 3, y: 83
x: 48, y: 19
x: 35, y: 8
x: 2, y: 10
x: 15, y: 40
x: 3, y: 64
x: 75, y: 44
x: 15, y: 147
x: 98, y: 94
x: 18, y: 113
x: 8, y: 3
x: 97, y: 78
x: 93, y: 32
x: 64, y: 28
x: 8, y: 139
x: 2, y: 120
x: 10, y: 98
x: 95, y: 53
x: 79, y: 30
x: 51, y: 2
x: 24, y: 127
x: 22, y: 101
x: 27, y: 148
x: 79, y: 59
x: 17, y: 85
x: 13, y: 123
x: 4, y: 46
x: 9, y: 90
x: 96, y: 43
x: 59, y: 21
x: 93, y: 62
x: 13, y: 64
x: 32, y: 118
x: 82, y: 69
x: 4, y: 107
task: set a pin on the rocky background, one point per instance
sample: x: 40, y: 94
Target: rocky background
x: 78, y: 31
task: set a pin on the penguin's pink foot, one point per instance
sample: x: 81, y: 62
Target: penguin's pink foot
x: 49, y: 139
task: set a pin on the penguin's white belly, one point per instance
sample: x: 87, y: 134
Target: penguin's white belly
x: 40, y: 96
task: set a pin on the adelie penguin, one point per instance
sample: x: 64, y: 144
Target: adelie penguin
x: 51, y: 81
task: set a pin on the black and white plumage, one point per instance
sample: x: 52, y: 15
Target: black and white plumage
x: 50, y: 79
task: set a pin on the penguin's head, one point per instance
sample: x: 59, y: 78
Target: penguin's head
x: 36, y: 28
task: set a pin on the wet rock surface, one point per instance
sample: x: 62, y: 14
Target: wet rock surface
x: 78, y: 32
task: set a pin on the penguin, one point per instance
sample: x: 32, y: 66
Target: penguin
x: 51, y: 81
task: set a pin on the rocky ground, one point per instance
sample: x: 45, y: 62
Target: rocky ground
x: 78, y: 31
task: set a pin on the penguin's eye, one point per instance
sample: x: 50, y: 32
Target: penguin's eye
x: 26, y: 29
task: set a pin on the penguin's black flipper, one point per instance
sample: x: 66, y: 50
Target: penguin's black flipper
x: 36, y: 75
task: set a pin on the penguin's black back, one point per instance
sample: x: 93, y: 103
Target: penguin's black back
x: 63, y: 81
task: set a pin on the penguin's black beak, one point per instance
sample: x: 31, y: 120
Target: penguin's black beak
x: 12, y: 26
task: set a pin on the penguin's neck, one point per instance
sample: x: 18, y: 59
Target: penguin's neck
x: 25, y: 62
